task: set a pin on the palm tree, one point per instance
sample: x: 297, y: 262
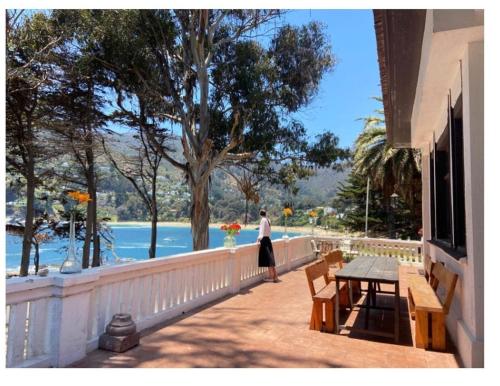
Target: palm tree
x: 390, y: 169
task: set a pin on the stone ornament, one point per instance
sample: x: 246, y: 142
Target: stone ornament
x: 121, y: 334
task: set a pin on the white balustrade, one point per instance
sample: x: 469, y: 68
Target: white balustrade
x: 56, y: 320
x: 406, y: 251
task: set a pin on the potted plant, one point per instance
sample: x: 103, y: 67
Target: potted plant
x: 313, y: 216
x: 231, y: 230
x: 72, y: 264
x: 286, y: 212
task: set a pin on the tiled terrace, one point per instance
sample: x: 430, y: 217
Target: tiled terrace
x: 267, y: 325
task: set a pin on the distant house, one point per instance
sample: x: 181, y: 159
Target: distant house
x: 431, y: 66
x: 328, y: 210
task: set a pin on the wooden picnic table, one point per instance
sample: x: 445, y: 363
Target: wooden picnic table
x: 374, y: 270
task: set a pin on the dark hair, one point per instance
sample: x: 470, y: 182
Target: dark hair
x: 262, y: 212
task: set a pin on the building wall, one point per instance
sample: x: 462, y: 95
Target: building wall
x: 466, y: 319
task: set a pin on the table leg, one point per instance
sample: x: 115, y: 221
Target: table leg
x: 337, y: 300
x: 368, y: 301
x: 396, y: 311
x: 351, y: 303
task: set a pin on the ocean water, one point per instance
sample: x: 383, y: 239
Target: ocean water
x: 131, y: 242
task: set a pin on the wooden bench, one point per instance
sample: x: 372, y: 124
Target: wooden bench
x: 426, y: 307
x: 322, y: 321
x: 426, y: 271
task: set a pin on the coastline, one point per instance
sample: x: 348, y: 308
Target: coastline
x: 292, y: 231
x: 279, y: 228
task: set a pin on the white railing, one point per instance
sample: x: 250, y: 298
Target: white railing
x: 28, y: 316
x: 406, y: 251
x: 56, y: 320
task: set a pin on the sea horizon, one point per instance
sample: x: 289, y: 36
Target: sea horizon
x: 132, y: 241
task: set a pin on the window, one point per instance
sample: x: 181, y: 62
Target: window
x: 433, y: 204
x: 458, y: 177
x: 447, y: 185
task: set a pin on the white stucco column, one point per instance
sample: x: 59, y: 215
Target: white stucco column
x: 235, y: 270
x: 471, y: 329
x: 69, y: 311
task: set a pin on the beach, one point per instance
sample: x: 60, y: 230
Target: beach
x: 131, y: 241
x: 279, y: 228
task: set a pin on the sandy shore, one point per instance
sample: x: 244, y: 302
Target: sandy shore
x: 302, y: 229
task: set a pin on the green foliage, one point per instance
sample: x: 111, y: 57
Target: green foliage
x: 199, y: 71
x: 391, y: 171
x: 351, y: 204
x: 257, y: 83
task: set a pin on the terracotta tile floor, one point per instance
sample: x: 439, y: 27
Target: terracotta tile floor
x: 268, y: 326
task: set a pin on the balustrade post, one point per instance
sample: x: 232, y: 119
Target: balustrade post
x: 235, y: 259
x: 69, y: 308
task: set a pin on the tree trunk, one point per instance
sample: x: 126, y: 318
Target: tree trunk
x: 96, y: 255
x: 88, y: 237
x: 30, y: 213
x: 246, y: 212
x: 89, y: 224
x: 154, y: 217
x: 200, y: 215
x: 37, y: 257
x: 154, y: 231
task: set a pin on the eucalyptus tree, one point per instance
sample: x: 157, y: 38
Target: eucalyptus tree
x: 29, y: 48
x: 229, y: 91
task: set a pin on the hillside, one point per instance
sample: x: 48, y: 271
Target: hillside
x: 118, y: 200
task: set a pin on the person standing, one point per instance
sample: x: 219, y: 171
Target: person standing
x: 266, y: 254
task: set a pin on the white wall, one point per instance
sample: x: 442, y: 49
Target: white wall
x: 473, y: 91
x: 466, y: 319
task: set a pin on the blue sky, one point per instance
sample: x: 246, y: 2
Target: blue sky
x: 345, y: 94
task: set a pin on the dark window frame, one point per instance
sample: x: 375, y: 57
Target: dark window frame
x: 447, y: 189
x: 432, y: 193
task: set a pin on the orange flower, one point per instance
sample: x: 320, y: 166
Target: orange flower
x: 313, y: 213
x: 287, y: 212
x: 74, y: 195
x: 231, y: 229
x: 80, y: 197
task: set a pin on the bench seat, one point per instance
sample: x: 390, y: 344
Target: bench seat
x: 427, y: 308
x: 423, y: 296
x: 329, y: 291
x: 326, y: 296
